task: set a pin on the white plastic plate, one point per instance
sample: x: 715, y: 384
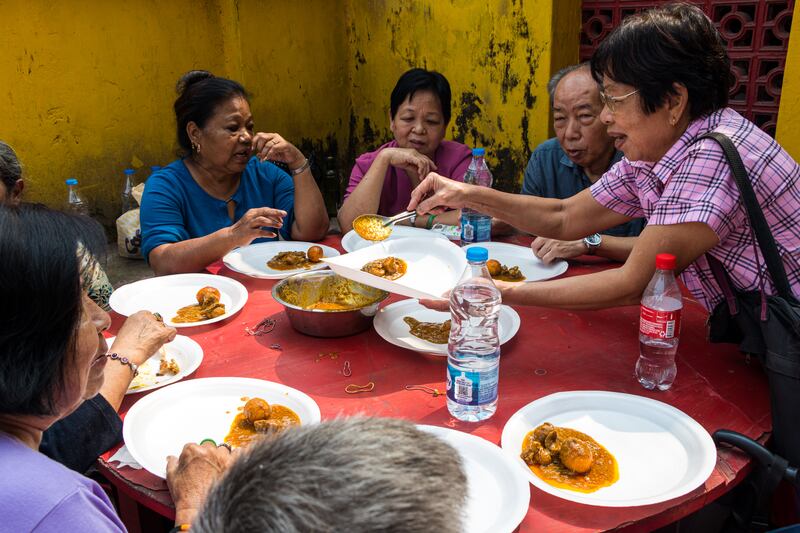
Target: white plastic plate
x: 498, y: 495
x: 166, y: 294
x: 187, y: 354
x: 161, y: 423
x: 434, y: 266
x: 352, y: 241
x: 662, y: 453
x: 531, y: 266
x: 390, y: 325
x: 252, y: 260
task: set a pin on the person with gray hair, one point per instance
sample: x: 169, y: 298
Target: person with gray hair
x: 11, y: 183
x: 581, y: 152
x: 356, y: 474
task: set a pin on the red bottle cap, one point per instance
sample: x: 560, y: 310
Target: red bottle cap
x: 665, y: 262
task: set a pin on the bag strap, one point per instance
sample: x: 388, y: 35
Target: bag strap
x: 756, y: 216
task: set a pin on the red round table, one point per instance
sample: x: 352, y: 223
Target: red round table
x: 553, y: 351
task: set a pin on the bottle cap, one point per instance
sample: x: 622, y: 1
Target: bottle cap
x: 71, y: 181
x: 477, y: 253
x: 155, y: 168
x: 129, y: 171
x: 665, y: 262
x: 478, y: 151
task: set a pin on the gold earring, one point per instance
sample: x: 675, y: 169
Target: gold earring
x: 196, y: 147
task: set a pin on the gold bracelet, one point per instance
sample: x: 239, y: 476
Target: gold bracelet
x: 302, y: 168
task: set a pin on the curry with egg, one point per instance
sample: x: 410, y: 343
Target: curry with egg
x: 390, y: 268
x: 207, y: 307
x: 501, y: 272
x: 296, y: 260
x: 257, y: 418
x: 568, y: 459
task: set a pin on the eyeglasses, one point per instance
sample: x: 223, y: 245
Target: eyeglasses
x: 611, y: 101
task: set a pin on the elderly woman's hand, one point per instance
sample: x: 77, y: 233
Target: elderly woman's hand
x: 251, y: 225
x: 549, y: 250
x: 140, y: 336
x: 275, y: 148
x: 190, y: 476
x: 436, y: 194
x: 413, y: 162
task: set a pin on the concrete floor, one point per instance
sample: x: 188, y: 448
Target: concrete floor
x: 121, y: 270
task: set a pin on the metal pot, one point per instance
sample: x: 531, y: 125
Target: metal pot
x: 308, y: 288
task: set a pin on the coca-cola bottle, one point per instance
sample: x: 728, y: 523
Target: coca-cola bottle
x: 659, y: 327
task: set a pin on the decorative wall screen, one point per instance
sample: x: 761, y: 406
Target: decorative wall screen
x: 757, y: 34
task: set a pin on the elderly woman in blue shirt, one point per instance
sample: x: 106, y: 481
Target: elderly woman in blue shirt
x: 225, y: 194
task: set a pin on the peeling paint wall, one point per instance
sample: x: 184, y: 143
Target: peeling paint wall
x: 88, y: 86
x: 787, y: 133
x: 496, y: 55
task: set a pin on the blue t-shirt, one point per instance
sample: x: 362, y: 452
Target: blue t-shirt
x: 552, y: 174
x: 175, y: 208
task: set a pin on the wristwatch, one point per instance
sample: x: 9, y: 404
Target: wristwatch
x: 592, y: 243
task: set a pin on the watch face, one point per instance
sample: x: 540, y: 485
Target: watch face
x: 593, y: 240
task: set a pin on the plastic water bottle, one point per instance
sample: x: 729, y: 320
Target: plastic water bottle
x: 127, y: 190
x: 659, y: 327
x: 75, y: 203
x: 476, y: 227
x: 473, y: 360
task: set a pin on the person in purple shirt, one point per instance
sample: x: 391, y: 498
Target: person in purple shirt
x: 381, y: 181
x: 665, y: 79
x: 52, y: 359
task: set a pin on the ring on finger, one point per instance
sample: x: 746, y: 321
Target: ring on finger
x: 225, y: 445
x: 158, y: 317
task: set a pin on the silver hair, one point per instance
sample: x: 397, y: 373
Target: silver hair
x: 356, y: 475
x: 558, y: 76
x: 10, y: 167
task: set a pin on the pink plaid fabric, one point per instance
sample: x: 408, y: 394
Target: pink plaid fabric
x: 693, y: 183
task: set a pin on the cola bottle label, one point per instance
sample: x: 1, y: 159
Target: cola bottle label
x: 659, y: 324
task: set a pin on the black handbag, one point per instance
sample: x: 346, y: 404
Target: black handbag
x: 767, y: 326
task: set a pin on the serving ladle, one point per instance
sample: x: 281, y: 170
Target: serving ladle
x: 378, y: 227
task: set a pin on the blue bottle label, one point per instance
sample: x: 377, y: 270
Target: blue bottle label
x: 471, y: 388
x: 476, y: 228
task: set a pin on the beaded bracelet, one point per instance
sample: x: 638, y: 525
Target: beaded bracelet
x: 125, y: 361
x: 429, y: 223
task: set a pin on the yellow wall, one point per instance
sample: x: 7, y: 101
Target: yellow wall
x: 87, y: 86
x: 787, y: 133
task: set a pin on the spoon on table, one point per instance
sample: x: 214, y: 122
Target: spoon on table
x: 378, y: 227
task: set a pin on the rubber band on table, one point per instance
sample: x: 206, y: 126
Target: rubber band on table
x: 346, y: 370
x: 355, y: 389
x: 262, y: 328
x: 424, y: 388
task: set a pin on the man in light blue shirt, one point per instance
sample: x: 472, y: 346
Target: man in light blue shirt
x: 580, y: 153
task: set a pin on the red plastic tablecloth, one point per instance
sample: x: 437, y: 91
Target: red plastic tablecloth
x: 554, y: 351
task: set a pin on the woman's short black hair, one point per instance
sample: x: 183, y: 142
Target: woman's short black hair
x: 10, y: 167
x: 677, y: 43
x: 419, y: 79
x: 43, y: 254
x: 199, y: 94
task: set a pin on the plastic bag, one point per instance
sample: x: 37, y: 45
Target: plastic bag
x: 129, y: 231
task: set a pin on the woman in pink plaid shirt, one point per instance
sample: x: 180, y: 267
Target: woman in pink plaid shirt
x: 665, y: 78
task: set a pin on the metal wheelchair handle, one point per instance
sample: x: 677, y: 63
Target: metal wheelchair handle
x: 755, y: 450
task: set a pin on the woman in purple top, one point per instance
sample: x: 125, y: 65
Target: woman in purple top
x: 665, y: 79
x: 381, y: 181
x: 52, y: 359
